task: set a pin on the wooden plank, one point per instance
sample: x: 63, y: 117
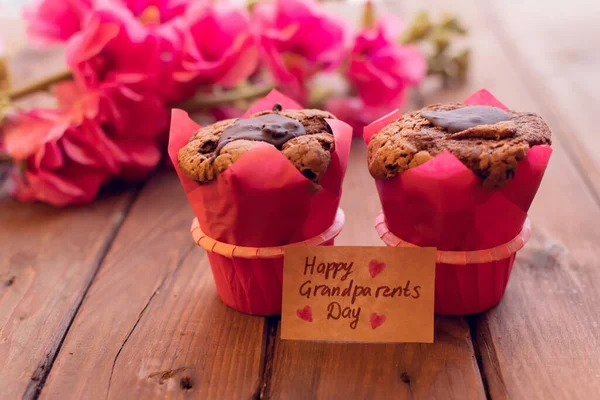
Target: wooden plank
x: 152, y: 325
x: 443, y: 370
x: 542, y: 340
x: 562, y: 72
x: 48, y: 258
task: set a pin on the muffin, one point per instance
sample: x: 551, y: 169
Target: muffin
x: 270, y: 179
x: 488, y: 140
x: 461, y: 178
x: 303, y: 136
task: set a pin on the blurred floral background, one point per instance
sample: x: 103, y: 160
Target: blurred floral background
x: 130, y: 61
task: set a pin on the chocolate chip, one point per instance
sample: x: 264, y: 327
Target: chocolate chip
x: 309, y: 174
x: 208, y: 147
x: 325, y: 145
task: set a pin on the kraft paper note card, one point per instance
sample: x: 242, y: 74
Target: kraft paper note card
x: 358, y: 294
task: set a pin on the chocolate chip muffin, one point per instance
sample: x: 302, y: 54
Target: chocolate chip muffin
x: 303, y: 136
x: 488, y: 140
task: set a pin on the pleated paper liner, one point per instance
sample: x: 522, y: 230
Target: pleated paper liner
x: 261, y: 200
x: 249, y: 279
x: 443, y: 204
x: 467, y: 282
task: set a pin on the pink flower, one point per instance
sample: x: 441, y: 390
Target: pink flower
x: 36, y: 140
x: 137, y: 43
x: 128, y: 127
x: 298, y: 39
x: 113, y: 49
x: 218, y: 48
x: 162, y: 21
x: 51, y: 21
x: 156, y: 13
x: 65, y: 155
x: 380, y: 69
x: 54, y: 21
x: 170, y: 46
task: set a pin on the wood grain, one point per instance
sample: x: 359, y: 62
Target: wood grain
x: 151, y: 324
x: 315, y: 370
x: 48, y: 258
x: 542, y: 340
x: 210, y: 350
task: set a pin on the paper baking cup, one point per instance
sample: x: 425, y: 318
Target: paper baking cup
x: 249, y: 279
x: 467, y: 282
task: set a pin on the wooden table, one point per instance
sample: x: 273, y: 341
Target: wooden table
x: 114, y: 300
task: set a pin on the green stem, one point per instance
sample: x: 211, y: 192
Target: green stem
x: 40, y: 85
x: 201, y: 101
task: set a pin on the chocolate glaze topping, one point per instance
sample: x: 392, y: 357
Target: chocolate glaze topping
x: 467, y: 117
x: 271, y: 128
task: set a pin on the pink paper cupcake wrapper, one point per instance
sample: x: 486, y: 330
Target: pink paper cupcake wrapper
x: 496, y: 253
x: 442, y: 203
x: 231, y: 251
x: 467, y: 282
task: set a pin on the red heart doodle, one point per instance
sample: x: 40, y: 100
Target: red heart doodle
x: 305, y: 313
x: 375, y: 268
x: 377, y: 320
